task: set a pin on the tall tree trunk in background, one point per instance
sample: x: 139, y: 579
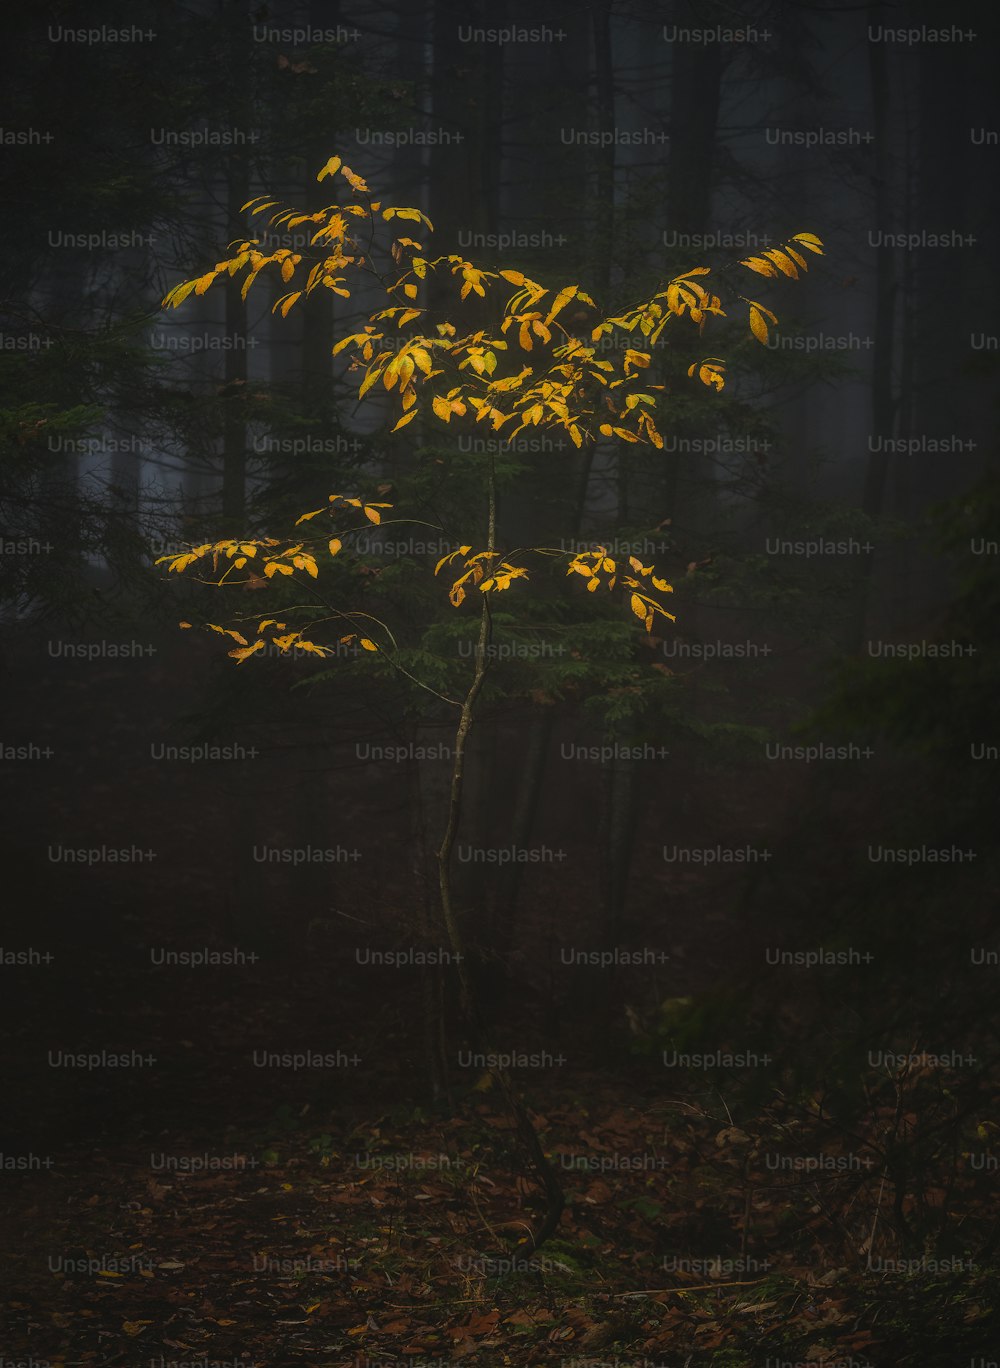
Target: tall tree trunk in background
x: 234, y: 429
x: 466, y: 85
x: 694, y: 107
x: 695, y: 90
x: 318, y: 324
x: 319, y: 402
x: 243, y: 821
x: 618, y: 796
x: 957, y: 293
x: 601, y: 246
x: 902, y: 571
x: 599, y: 257
x: 426, y: 780
x: 465, y: 101
x: 69, y: 302
x: 883, y: 407
x: 485, y: 144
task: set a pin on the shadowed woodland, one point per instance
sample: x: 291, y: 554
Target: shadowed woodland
x: 499, y: 573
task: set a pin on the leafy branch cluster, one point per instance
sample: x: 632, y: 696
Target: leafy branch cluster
x: 484, y: 375
x: 480, y: 373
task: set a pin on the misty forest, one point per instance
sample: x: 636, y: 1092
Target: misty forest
x: 500, y: 761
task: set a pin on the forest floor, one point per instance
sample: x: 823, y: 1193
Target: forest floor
x: 207, y: 1211
x: 386, y: 1234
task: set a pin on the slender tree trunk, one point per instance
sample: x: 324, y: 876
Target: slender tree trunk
x: 466, y: 102
x: 431, y: 978
x: 554, y: 1196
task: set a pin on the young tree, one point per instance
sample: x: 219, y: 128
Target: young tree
x: 515, y: 364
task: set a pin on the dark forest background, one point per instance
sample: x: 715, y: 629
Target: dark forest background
x: 765, y: 834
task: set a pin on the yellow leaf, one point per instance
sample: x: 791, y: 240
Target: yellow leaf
x: 636, y: 358
x: 654, y: 436
x: 335, y: 545
x: 248, y: 282
x: 759, y: 265
x: 709, y: 373
x: 368, y: 645
x: 567, y: 293
x: 178, y: 294
x: 449, y: 557
x: 288, y: 301
x: 404, y: 420
x: 757, y: 325
x: 133, y: 1328
x: 373, y: 373
x: 515, y: 277
x: 244, y: 653
x: 332, y: 166
x: 372, y: 514
x: 809, y: 240
x: 783, y: 263
x: 392, y: 371
x: 227, y: 631
x: 638, y: 607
